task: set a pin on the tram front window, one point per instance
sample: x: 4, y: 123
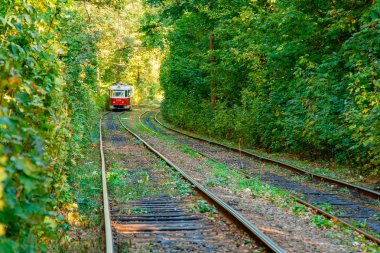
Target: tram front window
x: 118, y: 94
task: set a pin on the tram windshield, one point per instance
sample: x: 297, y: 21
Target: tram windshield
x: 118, y: 94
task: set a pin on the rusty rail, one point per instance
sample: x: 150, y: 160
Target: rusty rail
x: 227, y: 210
x: 295, y: 169
x: 317, y: 209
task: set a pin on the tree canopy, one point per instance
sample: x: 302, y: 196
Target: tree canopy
x: 57, y: 59
x: 301, y: 76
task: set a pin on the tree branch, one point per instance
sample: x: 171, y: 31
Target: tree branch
x: 85, y: 8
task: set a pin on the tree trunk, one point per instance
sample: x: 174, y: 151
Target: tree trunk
x: 213, y: 79
x: 98, y: 74
x: 138, y: 75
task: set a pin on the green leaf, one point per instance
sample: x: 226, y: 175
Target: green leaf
x: 7, y: 245
x: 28, y: 182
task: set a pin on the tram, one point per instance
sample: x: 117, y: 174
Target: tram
x: 121, y: 96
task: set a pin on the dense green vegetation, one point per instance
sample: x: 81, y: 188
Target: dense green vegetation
x: 301, y: 76
x: 56, y: 60
x: 47, y: 110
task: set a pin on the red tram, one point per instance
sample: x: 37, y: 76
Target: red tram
x: 121, y: 96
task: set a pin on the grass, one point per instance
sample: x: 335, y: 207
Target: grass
x: 134, y: 183
x: 323, y: 167
x: 226, y: 177
x: 326, y: 207
x: 142, y: 128
x: 86, y: 213
x: 176, y: 182
x: 301, y: 178
x: 280, y: 198
x: 190, y: 152
x: 222, y: 174
x: 321, y: 221
x: 126, y: 185
x: 204, y: 207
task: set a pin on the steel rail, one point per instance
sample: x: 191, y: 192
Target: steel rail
x: 320, y: 211
x: 144, y: 125
x: 249, y: 227
x: 144, y: 105
x: 335, y: 218
x: 317, y: 209
x: 362, y: 190
x: 106, y: 208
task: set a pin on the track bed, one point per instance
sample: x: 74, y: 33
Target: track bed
x: 153, y: 209
x: 346, y: 204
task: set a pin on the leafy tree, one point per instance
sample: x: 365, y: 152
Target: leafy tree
x: 28, y: 113
x: 285, y: 75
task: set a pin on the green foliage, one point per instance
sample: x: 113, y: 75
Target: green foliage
x: 28, y: 113
x: 121, y: 54
x: 190, y: 152
x: 116, y: 4
x: 46, y: 113
x: 288, y: 75
x: 299, y: 209
x: 204, y: 207
x: 321, y: 221
x: 177, y: 183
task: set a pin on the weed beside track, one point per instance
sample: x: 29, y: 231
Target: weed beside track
x: 154, y: 209
x: 357, y: 210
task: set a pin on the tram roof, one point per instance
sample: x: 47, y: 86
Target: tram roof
x: 121, y: 86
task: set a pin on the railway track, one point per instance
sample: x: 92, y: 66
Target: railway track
x: 144, y: 213
x: 353, y: 206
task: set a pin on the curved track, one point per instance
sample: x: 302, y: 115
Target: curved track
x: 167, y: 204
x: 348, y: 208
x: 362, y: 190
